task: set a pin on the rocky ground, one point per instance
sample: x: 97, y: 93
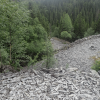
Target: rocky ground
x: 80, y: 53
x: 61, y: 84
x: 73, y: 78
x: 59, y: 44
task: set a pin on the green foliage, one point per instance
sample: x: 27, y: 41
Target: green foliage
x: 89, y: 32
x: 40, y: 31
x: 36, y: 21
x: 19, y: 56
x: 80, y: 26
x: 49, y: 59
x: 66, y: 24
x: 97, y: 26
x: 96, y: 65
x: 73, y: 36
x: 83, y: 14
x: 21, y: 41
x: 54, y: 12
x: 32, y: 61
x: 56, y: 32
x: 66, y: 35
x: 44, y: 21
x: 3, y: 57
x: 36, y: 40
x: 16, y: 19
x: 24, y: 26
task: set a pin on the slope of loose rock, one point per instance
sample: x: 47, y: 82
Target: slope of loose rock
x: 77, y: 82
x: 80, y: 53
x: 59, y: 44
x: 64, y: 84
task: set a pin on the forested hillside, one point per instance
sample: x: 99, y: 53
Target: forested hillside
x: 27, y: 25
x: 23, y: 39
x: 81, y: 16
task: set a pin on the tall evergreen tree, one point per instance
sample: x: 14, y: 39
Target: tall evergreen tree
x: 13, y: 21
x: 89, y: 32
x: 66, y: 24
x: 80, y: 26
x: 97, y: 26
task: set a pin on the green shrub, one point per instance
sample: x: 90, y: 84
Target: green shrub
x: 66, y: 35
x: 96, y: 65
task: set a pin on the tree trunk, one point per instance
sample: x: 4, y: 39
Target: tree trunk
x: 10, y: 46
x: 10, y: 52
x: 1, y: 60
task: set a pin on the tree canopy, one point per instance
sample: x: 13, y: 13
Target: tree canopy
x: 25, y: 26
x: 66, y: 24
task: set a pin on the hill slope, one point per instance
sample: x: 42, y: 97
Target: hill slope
x: 73, y: 83
x: 80, y: 53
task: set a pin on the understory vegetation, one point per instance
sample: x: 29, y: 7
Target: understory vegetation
x: 23, y: 39
x: 26, y: 27
x: 96, y: 65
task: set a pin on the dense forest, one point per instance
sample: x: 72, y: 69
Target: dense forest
x: 26, y: 27
x: 77, y: 17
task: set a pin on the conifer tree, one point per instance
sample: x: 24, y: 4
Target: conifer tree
x: 66, y: 24
x: 50, y: 60
x: 79, y: 26
x: 89, y: 32
x: 13, y: 21
x: 97, y: 26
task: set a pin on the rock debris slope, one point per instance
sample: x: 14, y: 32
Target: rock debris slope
x: 58, y: 44
x: 80, y: 53
x: 70, y: 84
x: 73, y: 83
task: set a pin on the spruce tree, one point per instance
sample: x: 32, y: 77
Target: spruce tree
x: 49, y: 60
x: 66, y: 24
x: 89, y: 32
x: 97, y: 26
x: 79, y: 26
x: 13, y: 20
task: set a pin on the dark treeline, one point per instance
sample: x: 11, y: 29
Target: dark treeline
x: 84, y: 15
x: 27, y: 25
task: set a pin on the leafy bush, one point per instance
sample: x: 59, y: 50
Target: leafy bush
x: 66, y: 35
x: 96, y: 65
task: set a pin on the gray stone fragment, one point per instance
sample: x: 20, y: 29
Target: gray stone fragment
x: 72, y: 69
x: 95, y: 74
